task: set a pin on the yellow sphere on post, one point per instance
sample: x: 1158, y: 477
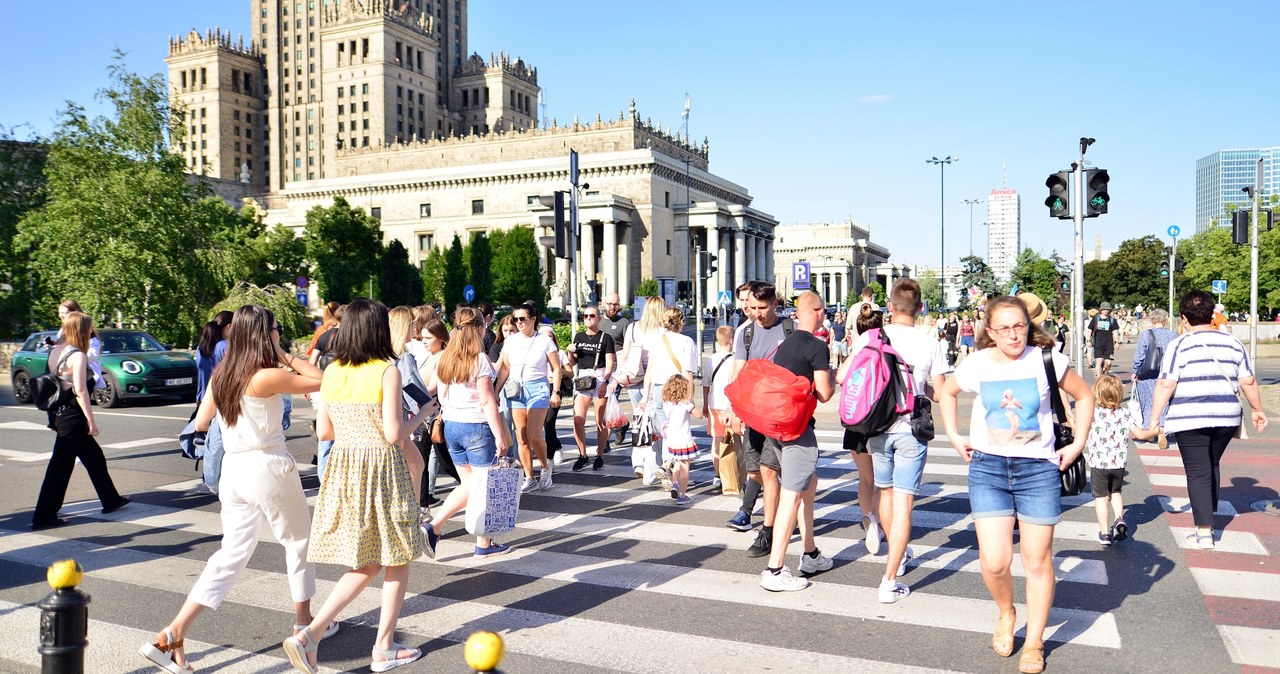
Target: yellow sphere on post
x: 483, y: 651
x: 64, y: 575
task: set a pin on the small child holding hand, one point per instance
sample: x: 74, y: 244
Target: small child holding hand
x: 677, y: 404
x: 1107, y: 453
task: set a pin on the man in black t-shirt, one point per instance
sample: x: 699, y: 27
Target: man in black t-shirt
x: 615, y: 325
x: 593, y: 354
x: 1101, y: 331
x: 807, y: 356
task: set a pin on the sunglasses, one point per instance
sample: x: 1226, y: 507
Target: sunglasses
x: 522, y: 319
x: 591, y: 315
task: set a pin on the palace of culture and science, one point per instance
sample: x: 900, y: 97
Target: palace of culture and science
x: 381, y: 102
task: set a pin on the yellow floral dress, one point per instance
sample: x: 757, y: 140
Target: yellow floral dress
x: 366, y: 512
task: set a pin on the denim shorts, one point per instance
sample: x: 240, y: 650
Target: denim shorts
x: 1001, y: 486
x: 533, y: 395
x: 470, y: 444
x: 898, y: 459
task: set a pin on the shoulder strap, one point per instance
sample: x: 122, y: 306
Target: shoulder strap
x: 62, y: 359
x: 1234, y: 386
x: 714, y: 370
x: 599, y: 349
x: 747, y: 335
x: 1055, y: 398
x: 788, y: 326
x: 671, y: 353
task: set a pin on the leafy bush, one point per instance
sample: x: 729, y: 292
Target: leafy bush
x: 293, y: 321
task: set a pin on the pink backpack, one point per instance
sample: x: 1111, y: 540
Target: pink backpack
x: 877, y: 388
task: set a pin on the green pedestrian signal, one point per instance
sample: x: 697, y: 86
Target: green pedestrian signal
x: 1059, y: 200
x: 1164, y: 269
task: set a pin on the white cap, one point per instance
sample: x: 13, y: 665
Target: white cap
x: 1219, y: 308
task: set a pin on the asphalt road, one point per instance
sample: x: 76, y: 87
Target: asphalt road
x: 606, y: 576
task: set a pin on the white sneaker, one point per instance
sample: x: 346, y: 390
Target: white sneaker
x: 544, y: 481
x: 529, y: 485
x: 716, y: 483
x: 638, y: 471
x: 891, y: 591
x: 781, y: 581
x: 906, y: 557
x: 815, y: 564
x: 557, y: 458
x: 872, y: 525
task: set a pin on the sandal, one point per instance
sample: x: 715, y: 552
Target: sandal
x: 1002, y: 640
x: 298, y: 651
x: 1202, y: 541
x: 392, y: 661
x: 162, y: 651
x: 329, y: 631
x: 1032, y: 660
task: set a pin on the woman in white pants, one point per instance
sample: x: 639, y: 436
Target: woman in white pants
x: 259, y: 478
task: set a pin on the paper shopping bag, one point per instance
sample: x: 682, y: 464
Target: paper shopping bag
x: 494, y: 501
x: 730, y: 463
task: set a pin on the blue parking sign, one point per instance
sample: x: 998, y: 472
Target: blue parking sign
x: 800, y: 275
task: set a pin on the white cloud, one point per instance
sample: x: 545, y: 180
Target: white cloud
x: 875, y: 98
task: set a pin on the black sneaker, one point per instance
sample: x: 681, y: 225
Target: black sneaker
x: 763, y: 544
x: 1121, y: 529
x: 598, y: 464
x: 580, y: 463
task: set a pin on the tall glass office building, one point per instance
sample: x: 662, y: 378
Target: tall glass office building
x: 1221, y: 176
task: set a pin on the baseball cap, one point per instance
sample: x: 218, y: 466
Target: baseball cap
x: 1105, y: 305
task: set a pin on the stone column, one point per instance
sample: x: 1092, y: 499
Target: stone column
x: 561, y: 281
x: 751, y: 273
x: 739, y: 258
x: 761, y: 256
x: 624, y: 264
x: 609, y: 259
x: 769, y: 270
x: 723, y: 246
x: 587, y: 259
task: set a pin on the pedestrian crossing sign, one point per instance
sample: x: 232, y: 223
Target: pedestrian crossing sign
x: 724, y: 298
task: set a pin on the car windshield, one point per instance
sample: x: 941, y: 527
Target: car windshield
x: 129, y: 342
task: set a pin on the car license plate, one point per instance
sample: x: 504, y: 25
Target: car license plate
x: 181, y: 381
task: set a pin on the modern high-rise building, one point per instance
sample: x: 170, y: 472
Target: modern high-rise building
x: 1004, y: 231
x: 1221, y: 177
x: 378, y: 102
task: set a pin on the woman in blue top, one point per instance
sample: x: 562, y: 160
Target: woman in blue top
x: 1156, y: 337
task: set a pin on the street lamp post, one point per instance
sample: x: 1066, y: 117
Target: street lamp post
x: 971, y: 203
x: 942, y: 207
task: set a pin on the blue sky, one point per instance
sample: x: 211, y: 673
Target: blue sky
x: 825, y: 110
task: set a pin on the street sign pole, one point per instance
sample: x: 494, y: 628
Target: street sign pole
x: 1077, y: 295
x: 1253, y: 266
x: 1173, y: 265
x: 697, y: 302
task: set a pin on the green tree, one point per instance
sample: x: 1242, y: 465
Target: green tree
x: 879, y: 296
x: 647, y: 288
x: 281, y: 257
x: 517, y: 274
x: 22, y: 189
x: 480, y: 263
x: 124, y: 230
x: 398, y: 282
x: 455, y: 274
x: 1035, y: 274
x: 931, y: 290
x: 344, y: 245
x: 433, y: 276
x: 978, y: 274
x: 280, y: 300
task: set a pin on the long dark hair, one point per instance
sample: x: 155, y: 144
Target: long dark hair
x: 365, y: 335
x: 249, y: 348
x: 210, y: 335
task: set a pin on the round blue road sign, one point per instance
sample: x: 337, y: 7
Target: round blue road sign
x: 301, y: 281
x: 469, y: 294
x: 1174, y: 231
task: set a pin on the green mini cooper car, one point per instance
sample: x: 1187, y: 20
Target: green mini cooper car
x: 134, y: 366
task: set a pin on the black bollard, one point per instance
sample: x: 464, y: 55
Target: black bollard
x: 64, y: 630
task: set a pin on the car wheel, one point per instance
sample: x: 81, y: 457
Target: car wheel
x: 22, y: 386
x: 108, y: 396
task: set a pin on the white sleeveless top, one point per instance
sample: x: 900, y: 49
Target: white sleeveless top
x: 258, y: 428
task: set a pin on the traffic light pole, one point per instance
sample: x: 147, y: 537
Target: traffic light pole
x: 697, y: 303
x: 1077, y: 281
x: 1173, y: 269
x: 1253, y: 266
x: 573, y: 260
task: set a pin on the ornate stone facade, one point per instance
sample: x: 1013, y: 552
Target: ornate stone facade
x: 842, y: 260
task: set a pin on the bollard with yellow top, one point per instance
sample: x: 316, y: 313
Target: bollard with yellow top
x: 64, y: 621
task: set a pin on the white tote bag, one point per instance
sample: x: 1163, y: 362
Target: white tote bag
x: 494, y: 502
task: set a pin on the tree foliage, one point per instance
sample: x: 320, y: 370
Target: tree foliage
x: 455, y: 274
x: 977, y: 274
x: 432, y: 274
x: 517, y: 274
x: 22, y: 189
x: 345, y: 245
x: 878, y: 293
x: 398, y: 281
x: 280, y: 300
x: 280, y: 257
x: 931, y: 290
x: 1035, y: 274
x: 480, y: 263
x: 647, y: 288
x: 124, y: 230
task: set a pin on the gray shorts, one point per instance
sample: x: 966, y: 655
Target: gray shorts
x: 757, y: 451
x: 798, y: 460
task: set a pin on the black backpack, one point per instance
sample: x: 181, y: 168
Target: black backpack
x: 788, y: 327
x: 48, y: 390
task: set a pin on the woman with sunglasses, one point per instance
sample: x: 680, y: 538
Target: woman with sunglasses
x: 533, y: 361
x: 259, y: 477
x: 1014, y: 470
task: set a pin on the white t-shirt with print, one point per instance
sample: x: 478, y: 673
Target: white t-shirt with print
x: 661, y: 366
x: 461, y: 402
x: 1012, y: 415
x: 926, y: 358
x: 527, y: 356
x: 723, y: 360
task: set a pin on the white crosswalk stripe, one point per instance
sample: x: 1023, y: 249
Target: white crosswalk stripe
x: 599, y: 534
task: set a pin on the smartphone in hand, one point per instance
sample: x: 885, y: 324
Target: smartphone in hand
x: 417, y: 394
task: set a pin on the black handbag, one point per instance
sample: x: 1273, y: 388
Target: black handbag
x: 922, y: 419
x: 584, y: 384
x: 1075, y: 476
x: 1149, y: 368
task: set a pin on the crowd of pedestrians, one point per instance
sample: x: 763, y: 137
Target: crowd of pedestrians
x: 400, y: 397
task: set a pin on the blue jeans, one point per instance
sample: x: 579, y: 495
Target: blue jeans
x: 470, y: 444
x: 533, y: 395
x: 1003, y: 486
x: 322, y: 457
x: 898, y: 459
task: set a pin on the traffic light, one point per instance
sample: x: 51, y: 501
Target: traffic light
x: 1059, y: 201
x: 556, y: 222
x: 1064, y: 284
x: 1240, y: 228
x: 1164, y: 268
x: 1095, y: 195
x: 708, y: 264
x: 682, y: 290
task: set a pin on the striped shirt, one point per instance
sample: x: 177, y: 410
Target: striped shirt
x: 1206, y: 365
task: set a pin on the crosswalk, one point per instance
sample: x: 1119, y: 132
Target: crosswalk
x: 604, y: 575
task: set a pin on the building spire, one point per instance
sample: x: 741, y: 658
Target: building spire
x: 1004, y: 173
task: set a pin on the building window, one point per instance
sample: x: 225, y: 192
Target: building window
x: 668, y: 247
x: 426, y: 241
x: 477, y: 206
x: 376, y: 213
x: 666, y: 199
x: 424, y: 210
